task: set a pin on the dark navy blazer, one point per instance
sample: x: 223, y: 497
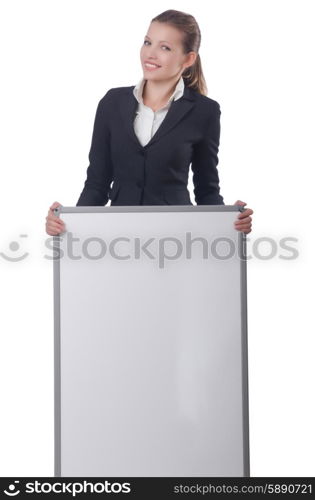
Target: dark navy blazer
x: 127, y: 173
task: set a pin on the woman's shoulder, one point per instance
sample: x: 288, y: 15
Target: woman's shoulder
x: 206, y: 100
x: 109, y: 100
x: 113, y: 94
x: 206, y: 105
x: 114, y: 91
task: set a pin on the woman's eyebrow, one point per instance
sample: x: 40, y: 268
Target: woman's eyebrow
x: 160, y: 40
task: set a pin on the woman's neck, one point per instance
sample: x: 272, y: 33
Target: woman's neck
x: 156, y: 94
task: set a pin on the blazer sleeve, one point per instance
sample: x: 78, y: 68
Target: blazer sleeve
x: 99, y: 172
x: 204, y: 162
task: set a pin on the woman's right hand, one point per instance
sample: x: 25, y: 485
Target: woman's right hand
x: 54, y: 225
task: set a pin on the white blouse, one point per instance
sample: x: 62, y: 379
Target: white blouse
x: 148, y: 121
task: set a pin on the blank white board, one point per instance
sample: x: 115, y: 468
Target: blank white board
x: 150, y: 342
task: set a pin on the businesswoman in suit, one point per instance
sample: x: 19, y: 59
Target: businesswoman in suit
x: 146, y: 136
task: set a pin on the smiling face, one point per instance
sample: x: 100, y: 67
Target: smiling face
x: 163, y: 48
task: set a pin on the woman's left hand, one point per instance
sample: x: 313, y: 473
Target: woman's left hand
x: 244, y: 221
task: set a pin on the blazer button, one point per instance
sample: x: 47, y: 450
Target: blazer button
x: 139, y: 184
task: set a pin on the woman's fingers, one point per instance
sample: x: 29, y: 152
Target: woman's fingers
x: 52, y: 217
x: 56, y: 204
x: 55, y: 228
x: 57, y: 222
x: 52, y: 229
x: 54, y: 225
x: 244, y: 220
x: 245, y: 230
x: 244, y: 226
x: 244, y: 214
x: 239, y: 202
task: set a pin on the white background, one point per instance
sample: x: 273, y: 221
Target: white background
x: 58, y: 60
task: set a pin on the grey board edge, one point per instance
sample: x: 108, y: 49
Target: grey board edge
x: 244, y: 324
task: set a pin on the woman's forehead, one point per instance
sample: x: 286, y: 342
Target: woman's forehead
x: 163, y: 32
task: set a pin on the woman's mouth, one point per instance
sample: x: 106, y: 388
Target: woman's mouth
x: 151, y: 67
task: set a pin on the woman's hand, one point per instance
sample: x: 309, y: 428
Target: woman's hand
x: 54, y: 225
x: 244, y: 221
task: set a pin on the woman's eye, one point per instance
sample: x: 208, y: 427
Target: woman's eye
x: 147, y: 41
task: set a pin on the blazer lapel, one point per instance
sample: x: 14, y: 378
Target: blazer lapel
x: 177, y: 110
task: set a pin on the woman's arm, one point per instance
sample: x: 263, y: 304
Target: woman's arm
x: 204, y: 162
x: 99, y: 171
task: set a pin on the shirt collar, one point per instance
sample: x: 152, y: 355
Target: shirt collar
x: 178, y: 92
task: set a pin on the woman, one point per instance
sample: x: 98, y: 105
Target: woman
x: 146, y: 136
